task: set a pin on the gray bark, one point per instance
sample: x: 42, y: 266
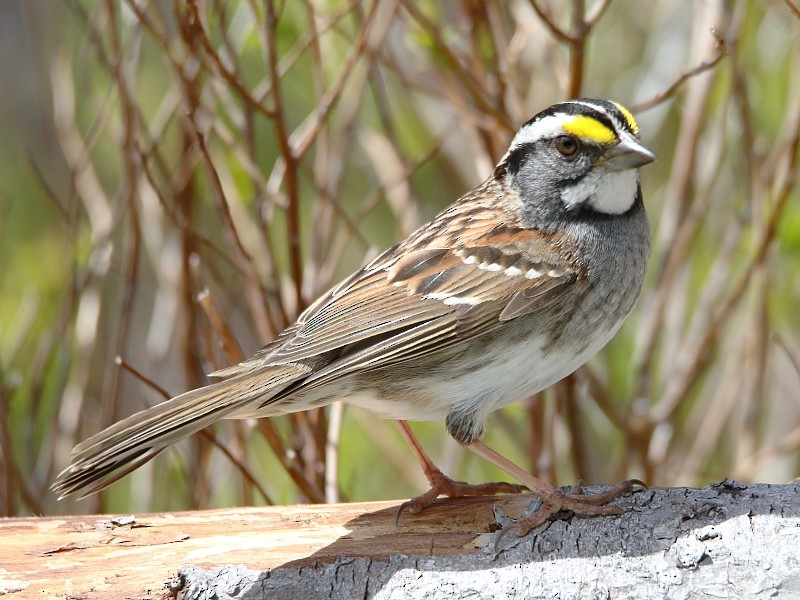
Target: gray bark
x: 723, y: 541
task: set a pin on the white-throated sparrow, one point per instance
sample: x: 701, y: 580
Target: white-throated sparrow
x: 508, y: 290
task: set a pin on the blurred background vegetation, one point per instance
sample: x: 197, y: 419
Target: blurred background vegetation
x: 179, y: 179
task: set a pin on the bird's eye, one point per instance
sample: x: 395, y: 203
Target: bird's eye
x: 567, y: 145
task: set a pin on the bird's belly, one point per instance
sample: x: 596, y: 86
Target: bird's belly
x: 480, y: 382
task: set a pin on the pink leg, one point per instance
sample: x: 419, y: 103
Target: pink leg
x: 441, y: 484
x: 554, y: 500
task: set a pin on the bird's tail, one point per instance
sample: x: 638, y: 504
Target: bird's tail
x: 116, y: 451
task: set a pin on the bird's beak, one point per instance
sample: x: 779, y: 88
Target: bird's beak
x: 628, y: 153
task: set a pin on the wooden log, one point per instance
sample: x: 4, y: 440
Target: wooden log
x: 726, y: 539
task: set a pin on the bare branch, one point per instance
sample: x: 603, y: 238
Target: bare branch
x: 722, y: 52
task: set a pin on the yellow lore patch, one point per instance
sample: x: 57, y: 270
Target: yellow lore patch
x: 628, y: 117
x: 590, y: 129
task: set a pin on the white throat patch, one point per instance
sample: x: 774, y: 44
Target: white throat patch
x: 605, y: 190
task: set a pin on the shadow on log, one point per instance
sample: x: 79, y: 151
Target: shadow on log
x: 724, y: 540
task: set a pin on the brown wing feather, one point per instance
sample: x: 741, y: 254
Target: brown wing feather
x: 458, y: 277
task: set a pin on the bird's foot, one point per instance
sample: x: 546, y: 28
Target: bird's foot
x: 442, y: 485
x: 575, y: 501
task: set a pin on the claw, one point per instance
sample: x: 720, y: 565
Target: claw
x: 575, y: 501
x: 442, y: 485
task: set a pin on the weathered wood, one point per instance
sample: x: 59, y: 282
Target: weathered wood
x: 729, y: 540
x: 121, y: 556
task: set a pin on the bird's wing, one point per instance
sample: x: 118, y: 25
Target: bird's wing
x: 441, y: 287
x: 430, y: 299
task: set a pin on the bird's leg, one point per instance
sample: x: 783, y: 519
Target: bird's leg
x: 554, y: 500
x: 441, y: 484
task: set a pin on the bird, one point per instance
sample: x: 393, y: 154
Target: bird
x: 508, y: 290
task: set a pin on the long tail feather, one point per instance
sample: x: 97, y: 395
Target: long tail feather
x: 116, y: 451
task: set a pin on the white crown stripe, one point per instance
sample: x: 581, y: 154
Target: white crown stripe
x: 596, y: 107
x: 541, y: 129
x: 552, y: 125
x: 532, y: 130
x: 614, y: 117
